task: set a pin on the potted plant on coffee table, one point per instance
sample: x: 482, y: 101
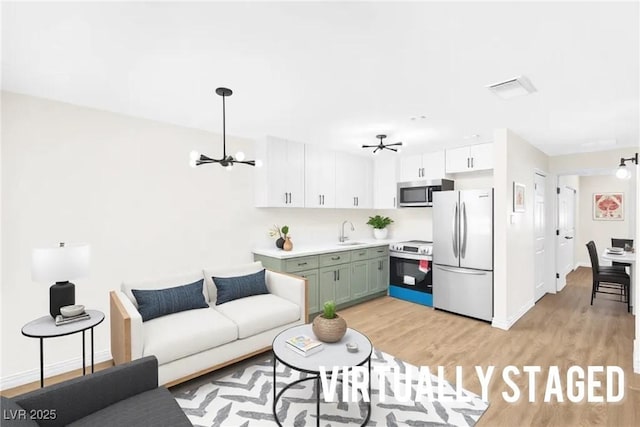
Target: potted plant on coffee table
x: 379, y: 224
x: 329, y: 326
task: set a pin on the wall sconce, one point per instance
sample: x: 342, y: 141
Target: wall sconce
x: 623, y: 172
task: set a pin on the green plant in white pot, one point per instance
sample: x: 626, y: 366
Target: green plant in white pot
x: 379, y: 224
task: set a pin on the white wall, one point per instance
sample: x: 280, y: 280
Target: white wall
x: 124, y: 186
x: 601, y: 232
x: 515, y: 160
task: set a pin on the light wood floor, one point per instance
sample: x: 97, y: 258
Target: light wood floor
x: 562, y: 330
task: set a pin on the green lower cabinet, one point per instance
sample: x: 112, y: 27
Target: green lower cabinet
x: 359, y: 279
x: 313, y: 297
x: 327, y: 284
x: 346, y: 277
x: 378, y: 275
x: 343, y: 284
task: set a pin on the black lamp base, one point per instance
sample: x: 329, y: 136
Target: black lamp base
x: 61, y: 294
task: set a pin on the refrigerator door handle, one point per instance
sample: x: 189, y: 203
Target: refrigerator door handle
x: 454, y: 231
x: 462, y: 270
x: 463, y: 227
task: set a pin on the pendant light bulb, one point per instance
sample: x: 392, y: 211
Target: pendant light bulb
x: 623, y: 172
x: 193, y: 158
x: 240, y: 156
x: 258, y: 163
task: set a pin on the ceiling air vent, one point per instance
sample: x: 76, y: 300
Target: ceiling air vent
x: 513, y: 87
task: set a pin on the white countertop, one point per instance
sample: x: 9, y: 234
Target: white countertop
x: 305, y: 249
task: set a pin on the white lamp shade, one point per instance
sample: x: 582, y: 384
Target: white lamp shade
x: 60, y: 264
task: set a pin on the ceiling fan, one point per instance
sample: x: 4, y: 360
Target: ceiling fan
x: 382, y: 146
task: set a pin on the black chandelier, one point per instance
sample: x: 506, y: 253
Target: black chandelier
x: 227, y: 161
x: 381, y: 146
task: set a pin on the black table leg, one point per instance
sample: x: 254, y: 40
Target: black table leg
x: 83, y: 355
x: 318, y: 401
x: 274, y: 388
x: 92, y: 352
x: 41, y: 363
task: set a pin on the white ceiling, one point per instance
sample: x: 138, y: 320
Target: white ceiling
x: 340, y: 73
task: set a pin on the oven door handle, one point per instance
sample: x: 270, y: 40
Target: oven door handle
x: 403, y: 255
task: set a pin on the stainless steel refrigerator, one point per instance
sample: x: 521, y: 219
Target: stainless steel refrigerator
x: 463, y: 252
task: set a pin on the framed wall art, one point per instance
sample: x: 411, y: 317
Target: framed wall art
x: 518, y: 197
x: 608, y: 206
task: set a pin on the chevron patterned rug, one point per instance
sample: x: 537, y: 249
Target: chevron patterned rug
x: 243, y: 397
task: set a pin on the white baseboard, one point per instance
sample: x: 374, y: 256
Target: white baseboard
x: 636, y: 356
x: 26, y: 377
x: 506, y: 324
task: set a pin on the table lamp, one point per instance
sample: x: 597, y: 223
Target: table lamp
x: 60, y: 264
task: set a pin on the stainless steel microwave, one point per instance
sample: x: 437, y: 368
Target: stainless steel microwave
x: 415, y: 194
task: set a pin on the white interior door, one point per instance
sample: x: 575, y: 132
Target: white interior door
x: 539, y: 235
x: 565, y: 235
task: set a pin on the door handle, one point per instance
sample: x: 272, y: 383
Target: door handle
x: 289, y: 197
x: 357, y: 201
x: 319, y: 199
x: 454, y: 231
x: 472, y: 163
x: 568, y: 237
x: 300, y: 264
x: 468, y: 163
x: 462, y: 270
x: 334, y: 275
x: 463, y: 227
x: 335, y: 258
x: 323, y: 200
x: 338, y: 271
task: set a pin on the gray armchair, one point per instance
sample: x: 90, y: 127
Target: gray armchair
x: 124, y: 395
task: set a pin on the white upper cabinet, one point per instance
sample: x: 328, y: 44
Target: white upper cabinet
x: 280, y: 181
x: 353, y: 181
x: 385, y: 177
x: 470, y: 158
x: 422, y: 166
x: 320, y: 177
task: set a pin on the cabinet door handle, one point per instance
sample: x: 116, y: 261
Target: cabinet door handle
x: 468, y: 163
x: 289, y: 197
x: 300, y: 264
x: 334, y: 275
x: 319, y: 199
x: 394, y: 201
x: 338, y: 271
x: 357, y: 201
x: 286, y: 198
x: 472, y: 163
x: 379, y: 265
x: 322, y: 199
x: 335, y: 258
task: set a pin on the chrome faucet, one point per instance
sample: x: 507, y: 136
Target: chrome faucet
x: 342, y: 237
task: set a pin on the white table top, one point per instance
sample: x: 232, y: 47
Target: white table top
x: 628, y: 257
x: 45, y: 326
x: 332, y: 354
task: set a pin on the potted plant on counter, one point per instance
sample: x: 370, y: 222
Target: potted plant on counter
x: 328, y: 326
x: 379, y: 224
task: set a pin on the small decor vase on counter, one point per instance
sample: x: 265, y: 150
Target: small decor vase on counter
x: 328, y: 326
x: 279, y: 243
x: 380, y: 233
x: 287, y: 245
x: 282, y: 235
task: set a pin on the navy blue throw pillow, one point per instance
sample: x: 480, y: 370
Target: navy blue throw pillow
x: 154, y: 303
x: 232, y: 288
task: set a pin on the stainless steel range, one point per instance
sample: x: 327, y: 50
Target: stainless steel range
x: 410, y: 266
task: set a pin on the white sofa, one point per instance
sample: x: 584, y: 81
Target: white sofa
x: 191, y: 343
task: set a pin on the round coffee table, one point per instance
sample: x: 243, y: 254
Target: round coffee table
x: 332, y: 354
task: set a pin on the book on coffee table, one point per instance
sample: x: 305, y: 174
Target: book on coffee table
x: 63, y: 320
x: 304, y: 345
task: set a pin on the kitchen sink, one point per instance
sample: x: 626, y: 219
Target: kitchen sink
x: 351, y: 243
